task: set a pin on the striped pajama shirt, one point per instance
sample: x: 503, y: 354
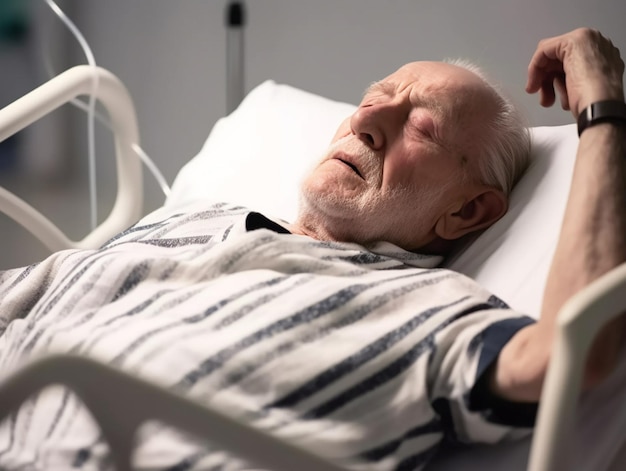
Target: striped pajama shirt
x: 371, y: 357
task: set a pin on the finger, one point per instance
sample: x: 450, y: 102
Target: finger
x: 537, y: 77
x: 536, y: 73
x: 547, y: 93
x: 559, y: 82
x: 545, y: 58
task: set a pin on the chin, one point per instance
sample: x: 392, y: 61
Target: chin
x: 329, y: 217
x: 334, y: 202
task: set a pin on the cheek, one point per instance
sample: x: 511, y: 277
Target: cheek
x: 417, y: 166
x: 401, y: 170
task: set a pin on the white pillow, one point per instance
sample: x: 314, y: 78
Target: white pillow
x: 258, y: 155
x: 511, y: 258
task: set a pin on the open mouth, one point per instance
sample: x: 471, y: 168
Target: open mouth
x: 353, y: 167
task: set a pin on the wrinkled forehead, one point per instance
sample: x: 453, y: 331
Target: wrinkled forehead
x: 454, y: 90
x: 437, y: 73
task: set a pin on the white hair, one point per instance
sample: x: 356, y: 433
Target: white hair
x: 505, y: 153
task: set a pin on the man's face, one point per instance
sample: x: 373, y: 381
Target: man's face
x: 402, y: 159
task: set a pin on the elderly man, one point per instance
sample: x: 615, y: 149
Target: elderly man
x: 337, y: 332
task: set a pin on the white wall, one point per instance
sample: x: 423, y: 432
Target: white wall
x: 171, y: 56
x: 336, y: 47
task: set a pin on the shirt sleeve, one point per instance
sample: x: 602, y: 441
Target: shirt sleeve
x: 480, y: 398
x: 464, y: 356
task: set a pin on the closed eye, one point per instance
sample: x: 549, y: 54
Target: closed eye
x: 421, y: 132
x: 422, y: 126
x: 424, y: 132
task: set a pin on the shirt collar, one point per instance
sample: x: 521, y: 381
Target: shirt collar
x: 413, y: 259
x: 256, y: 221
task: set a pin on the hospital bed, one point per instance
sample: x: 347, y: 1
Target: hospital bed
x: 256, y: 157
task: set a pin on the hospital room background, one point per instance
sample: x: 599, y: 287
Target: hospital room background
x: 171, y: 55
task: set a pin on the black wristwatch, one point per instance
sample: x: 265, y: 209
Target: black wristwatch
x: 601, y: 112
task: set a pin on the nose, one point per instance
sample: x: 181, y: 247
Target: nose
x: 367, y: 128
x: 373, y: 124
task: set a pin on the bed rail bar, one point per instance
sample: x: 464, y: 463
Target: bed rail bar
x: 579, y: 321
x: 136, y: 401
x: 117, y: 101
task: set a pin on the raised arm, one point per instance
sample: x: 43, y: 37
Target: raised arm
x: 585, y: 68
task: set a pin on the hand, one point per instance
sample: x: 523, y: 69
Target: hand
x: 584, y: 66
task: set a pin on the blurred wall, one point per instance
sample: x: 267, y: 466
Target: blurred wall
x: 171, y: 56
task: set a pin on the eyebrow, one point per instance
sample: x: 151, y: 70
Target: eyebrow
x: 388, y: 88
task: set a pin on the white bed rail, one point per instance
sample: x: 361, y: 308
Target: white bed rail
x: 136, y: 400
x: 117, y: 101
x: 127, y: 402
x: 579, y: 321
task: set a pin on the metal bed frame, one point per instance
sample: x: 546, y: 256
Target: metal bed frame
x: 45, y: 99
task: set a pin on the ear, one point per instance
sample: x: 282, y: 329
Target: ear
x: 480, y: 212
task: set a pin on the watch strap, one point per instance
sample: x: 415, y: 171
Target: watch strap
x: 601, y: 112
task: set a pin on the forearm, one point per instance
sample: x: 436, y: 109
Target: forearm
x: 592, y: 242
x: 593, y: 235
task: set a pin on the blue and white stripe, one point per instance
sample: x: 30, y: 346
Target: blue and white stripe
x: 341, y: 349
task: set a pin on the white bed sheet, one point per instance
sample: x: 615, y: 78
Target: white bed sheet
x: 258, y: 155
